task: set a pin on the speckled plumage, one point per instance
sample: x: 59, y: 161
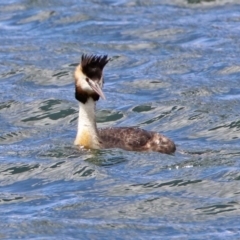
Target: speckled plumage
x: 89, y: 81
x: 135, y: 139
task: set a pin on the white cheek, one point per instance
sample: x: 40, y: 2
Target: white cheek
x: 84, y: 85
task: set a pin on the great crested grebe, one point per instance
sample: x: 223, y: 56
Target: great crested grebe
x: 89, y: 82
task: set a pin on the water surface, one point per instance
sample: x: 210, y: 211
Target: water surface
x: 175, y: 69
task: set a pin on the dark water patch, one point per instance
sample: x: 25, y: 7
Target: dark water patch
x: 164, y: 114
x: 107, y: 158
x: 84, y: 172
x: 7, y: 104
x: 47, y: 112
x: 107, y: 161
x: 143, y: 108
x: 108, y: 116
x: 10, y: 200
x: 61, y: 74
x: 7, y: 76
x: 229, y: 126
x: 62, y: 152
x: 19, y: 169
x: 174, y: 69
x: 155, y: 119
x: 53, y: 116
x: 56, y: 165
x: 10, y: 137
x: 48, y: 77
x: 199, y: 1
x: 218, y: 208
x: 237, y: 178
x: 174, y: 183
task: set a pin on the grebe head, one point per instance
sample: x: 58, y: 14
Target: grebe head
x: 89, y: 77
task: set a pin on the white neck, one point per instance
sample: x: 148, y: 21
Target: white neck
x: 87, y: 135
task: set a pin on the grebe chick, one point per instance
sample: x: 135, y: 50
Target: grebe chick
x: 88, y: 83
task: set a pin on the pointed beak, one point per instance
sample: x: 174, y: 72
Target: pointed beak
x: 95, y: 86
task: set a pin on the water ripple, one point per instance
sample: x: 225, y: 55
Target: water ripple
x: 174, y: 69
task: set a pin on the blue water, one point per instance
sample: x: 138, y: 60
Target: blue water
x: 175, y: 69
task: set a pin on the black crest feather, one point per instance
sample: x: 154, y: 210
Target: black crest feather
x: 92, y: 65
